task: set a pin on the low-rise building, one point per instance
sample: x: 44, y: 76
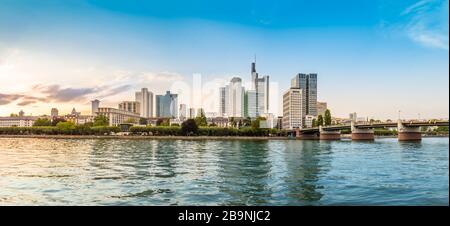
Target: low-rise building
x: 17, y: 121
x: 116, y: 116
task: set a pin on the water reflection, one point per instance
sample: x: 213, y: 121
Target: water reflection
x: 306, y: 161
x: 243, y: 172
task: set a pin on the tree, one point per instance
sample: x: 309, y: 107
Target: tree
x: 56, y: 120
x: 314, y: 123
x: 162, y: 122
x: 65, y: 126
x: 42, y: 122
x: 319, y: 120
x: 189, y: 127
x: 101, y: 120
x: 327, y: 118
x: 247, y: 122
x: 143, y: 121
x: 257, y: 122
x: 201, y: 120
x: 14, y: 115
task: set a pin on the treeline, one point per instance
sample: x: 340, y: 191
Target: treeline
x: 205, y: 131
x: 53, y: 130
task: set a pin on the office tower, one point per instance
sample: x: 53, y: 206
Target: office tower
x: 292, y: 109
x: 232, y: 103
x: 261, y: 86
x: 167, y: 105
x: 182, y: 112
x: 321, y: 108
x: 250, y: 108
x: 94, y: 106
x: 130, y: 106
x: 308, y: 84
x: 224, y: 95
x: 191, y: 113
x: 145, y: 99
x: 54, y: 113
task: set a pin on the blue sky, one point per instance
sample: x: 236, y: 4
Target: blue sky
x: 373, y: 57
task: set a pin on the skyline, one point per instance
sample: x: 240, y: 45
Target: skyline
x: 393, y: 57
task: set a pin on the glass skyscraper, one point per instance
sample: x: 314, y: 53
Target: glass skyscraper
x: 167, y: 105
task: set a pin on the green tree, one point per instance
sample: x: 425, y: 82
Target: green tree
x: 65, y: 126
x: 257, y: 121
x: 189, y: 127
x: 319, y: 120
x: 247, y: 122
x: 201, y: 120
x: 14, y: 115
x: 314, y: 123
x: 101, y: 120
x: 56, y: 120
x: 162, y: 122
x: 143, y: 121
x: 42, y: 122
x: 327, y: 118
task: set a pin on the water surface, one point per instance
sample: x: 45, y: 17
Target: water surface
x: 179, y: 172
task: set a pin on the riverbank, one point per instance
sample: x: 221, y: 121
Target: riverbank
x: 176, y: 137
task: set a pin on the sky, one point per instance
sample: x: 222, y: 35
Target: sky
x: 374, y: 57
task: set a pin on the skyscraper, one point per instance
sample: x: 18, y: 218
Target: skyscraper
x: 308, y: 84
x: 250, y: 104
x: 261, y: 87
x: 232, y: 99
x: 145, y: 99
x: 167, y: 105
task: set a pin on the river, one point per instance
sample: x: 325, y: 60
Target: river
x: 229, y: 172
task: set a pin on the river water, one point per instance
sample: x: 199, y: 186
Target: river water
x: 237, y: 172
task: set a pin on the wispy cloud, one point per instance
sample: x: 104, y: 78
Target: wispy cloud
x: 427, y: 23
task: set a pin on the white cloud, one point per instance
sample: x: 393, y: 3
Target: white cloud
x: 427, y: 23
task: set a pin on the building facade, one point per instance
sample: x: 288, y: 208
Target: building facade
x: 131, y: 106
x: 182, y: 112
x: 261, y: 87
x: 292, y: 108
x: 54, y: 113
x: 250, y: 107
x: 308, y: 84
x: 167, y: 105
x: 145, y: 99
x: 18, y: 121
x: 95, y: 104
x: 116, y: 116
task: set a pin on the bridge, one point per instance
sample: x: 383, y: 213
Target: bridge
x: 407, y: 130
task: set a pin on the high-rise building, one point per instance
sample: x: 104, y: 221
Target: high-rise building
x: 145, y: 99
x: 182, y: 113
x: 352, y: 116
x: 321, y: 108
x: 292, y: 108
x: 224, y: 95
x: 261, y: 87
x: 250, y: 108
x: 167, y: 105
x: 131, y: 106
x: 54, y: 113
x: 308, y: 84
x: 232, y: 99
x: 95, y: 105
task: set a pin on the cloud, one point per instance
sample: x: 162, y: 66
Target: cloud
x: 427, y: 23
x: 24, y: 99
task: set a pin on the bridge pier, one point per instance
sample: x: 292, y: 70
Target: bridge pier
x: 362, y: 134
x: 306, y: 136
x: 329, y: 135
x: 408, y: 133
